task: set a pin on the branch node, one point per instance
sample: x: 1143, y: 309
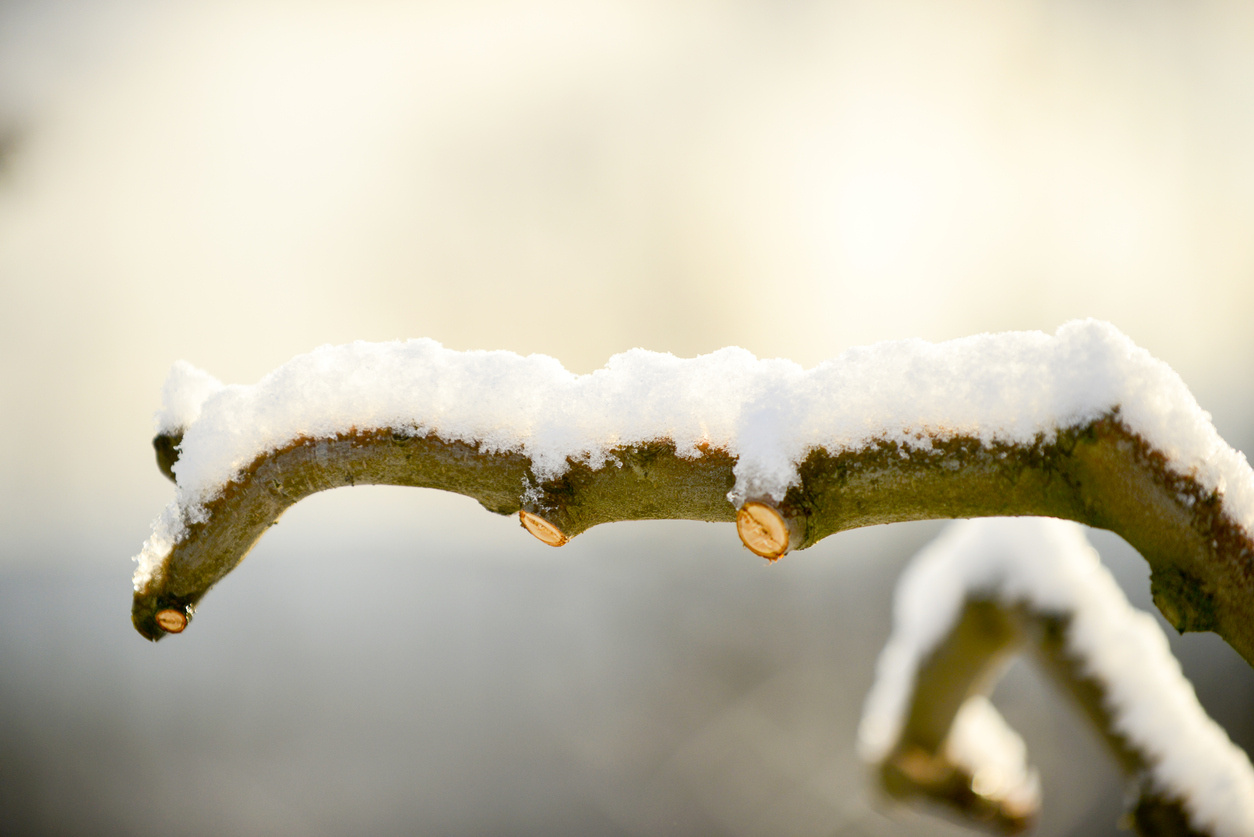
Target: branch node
x: 767, y: 530
x: 545, y: 531
x: 1183, y: 600
x: 166, y: 446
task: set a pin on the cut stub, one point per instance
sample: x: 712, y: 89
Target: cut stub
x: 768, y: 531
x: 171, y: 620
x: 543, y: 530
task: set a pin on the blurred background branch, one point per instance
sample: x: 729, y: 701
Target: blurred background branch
x: 987, y: 590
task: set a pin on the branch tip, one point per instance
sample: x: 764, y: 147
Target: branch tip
x: 981, y: 798
x: 543, y: 530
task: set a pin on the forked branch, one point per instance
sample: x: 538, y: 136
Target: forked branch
x: 987, y: 590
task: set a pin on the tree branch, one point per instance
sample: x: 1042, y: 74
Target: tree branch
x: 1186, y: 778
x: 1101, y: 474
x: 1082, y: 425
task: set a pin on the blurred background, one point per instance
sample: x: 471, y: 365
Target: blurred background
x: 236, y: 183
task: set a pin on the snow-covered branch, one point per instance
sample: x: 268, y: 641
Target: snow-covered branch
x: 1081, y: 425
x: 978, y: 594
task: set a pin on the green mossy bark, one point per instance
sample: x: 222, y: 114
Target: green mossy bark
x: 1100, y: 474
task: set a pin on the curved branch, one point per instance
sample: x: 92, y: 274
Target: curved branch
x: 1100, y: 473
x: 993, y: 590
x: 1082, y: 425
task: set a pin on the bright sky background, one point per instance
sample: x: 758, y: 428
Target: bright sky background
x: 235, y: 183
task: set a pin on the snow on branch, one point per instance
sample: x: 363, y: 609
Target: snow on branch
x: 973, y: 597
x: 1081, y: 424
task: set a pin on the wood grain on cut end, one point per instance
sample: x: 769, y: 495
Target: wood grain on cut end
x: 763, y: 530
x: 546, y: 532
x: 171, y: 621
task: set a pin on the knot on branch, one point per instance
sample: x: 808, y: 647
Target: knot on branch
x: 1183, y: 599
x: 166, y: 446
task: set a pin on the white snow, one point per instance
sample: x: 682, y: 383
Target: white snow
x: 1050, y: 566
x: 185, y: 392
x: 768, y: 413
x: 994, y: 755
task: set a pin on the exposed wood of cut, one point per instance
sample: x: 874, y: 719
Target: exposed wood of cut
x: 543, y: 530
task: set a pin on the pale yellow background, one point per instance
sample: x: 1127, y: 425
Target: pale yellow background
x: 235, y: 183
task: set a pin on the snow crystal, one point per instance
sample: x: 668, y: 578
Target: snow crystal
x: 1049, y: 565
x: 767, y: 413
x: 183, y: 395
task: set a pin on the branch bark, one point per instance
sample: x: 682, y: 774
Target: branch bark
x: 982, y: 592
x: 1101, y: 474
x: 968, y: 662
